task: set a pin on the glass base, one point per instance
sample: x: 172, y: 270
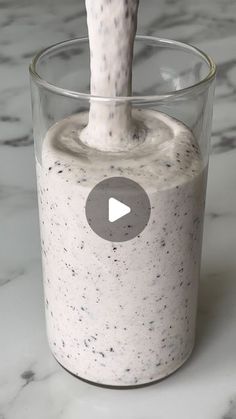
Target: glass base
x: 131, y: 387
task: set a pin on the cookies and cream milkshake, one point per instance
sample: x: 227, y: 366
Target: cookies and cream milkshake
x: 120, y: 314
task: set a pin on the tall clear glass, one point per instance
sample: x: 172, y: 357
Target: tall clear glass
x: 122, y: 313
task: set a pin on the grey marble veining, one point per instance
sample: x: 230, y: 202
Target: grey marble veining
x: 231, y: 411
x: 32, y: 385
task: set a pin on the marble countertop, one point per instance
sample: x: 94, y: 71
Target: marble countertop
x: 32, y: 385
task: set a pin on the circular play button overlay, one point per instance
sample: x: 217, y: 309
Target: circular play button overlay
x: 118, y: 209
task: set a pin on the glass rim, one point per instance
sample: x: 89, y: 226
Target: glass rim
x: 143, y: 98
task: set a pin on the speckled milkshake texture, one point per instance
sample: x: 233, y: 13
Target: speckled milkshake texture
x: 111, y: 27
x: 122, y: 313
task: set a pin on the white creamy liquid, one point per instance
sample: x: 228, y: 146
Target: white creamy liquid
x: 122, y: 313
x: 112, y: 28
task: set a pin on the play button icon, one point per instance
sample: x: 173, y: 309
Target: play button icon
x: 117, y: 209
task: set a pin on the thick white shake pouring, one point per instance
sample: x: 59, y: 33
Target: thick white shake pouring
x: 112, y: 27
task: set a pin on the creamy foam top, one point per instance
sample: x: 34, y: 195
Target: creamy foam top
x: 169, y: 156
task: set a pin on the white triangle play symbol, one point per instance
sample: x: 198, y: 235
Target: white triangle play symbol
x: 117, y: 210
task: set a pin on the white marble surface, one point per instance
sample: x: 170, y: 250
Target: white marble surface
x: 32, y: 385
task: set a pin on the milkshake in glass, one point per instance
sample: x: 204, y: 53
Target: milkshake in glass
x: 121, y: 313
